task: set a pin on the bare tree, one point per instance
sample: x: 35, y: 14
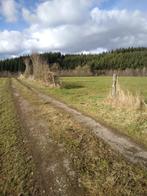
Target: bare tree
x: 29, y: 68
x: 35, y: 59
x: 42, y: 72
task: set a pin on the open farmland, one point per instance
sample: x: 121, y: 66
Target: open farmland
x: 89, y: 95
x: 46, y: 151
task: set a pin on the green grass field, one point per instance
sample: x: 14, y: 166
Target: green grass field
x: 88, y: 95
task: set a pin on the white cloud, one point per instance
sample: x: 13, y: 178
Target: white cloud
x: 103, y: 29
x: 75, y: 26
x: 121, y: 28
x: 10, y: 42
x: 58, y: 12
x: 8, y: 9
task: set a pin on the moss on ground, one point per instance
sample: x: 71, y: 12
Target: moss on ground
x: 16, y: 166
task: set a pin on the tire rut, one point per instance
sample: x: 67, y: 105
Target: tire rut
x: 52, y: 162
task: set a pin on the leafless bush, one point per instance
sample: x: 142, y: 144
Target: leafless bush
x: 55, y: 67
x: 83, y: 70
x: 53, y: 79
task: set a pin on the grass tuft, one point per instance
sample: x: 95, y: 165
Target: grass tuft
x: 126, y: 99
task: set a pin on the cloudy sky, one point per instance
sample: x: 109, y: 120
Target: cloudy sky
x: 71, y: 26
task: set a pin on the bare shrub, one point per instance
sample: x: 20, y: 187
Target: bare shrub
x: 53, y: 79
x: 55, y: 67
x: 82, y: 70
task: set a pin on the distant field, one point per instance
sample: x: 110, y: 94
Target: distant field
x: 100, y: 86
x: 97, y: 88
x: 88, y: 94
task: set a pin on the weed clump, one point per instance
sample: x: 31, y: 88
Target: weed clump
x: 126, y: 99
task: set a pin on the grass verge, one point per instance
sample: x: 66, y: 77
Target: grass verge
x: 16, y: 166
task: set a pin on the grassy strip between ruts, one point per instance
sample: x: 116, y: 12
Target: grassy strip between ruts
x: 16, y: 166
x: 100, y: 170
x: 88, y: 94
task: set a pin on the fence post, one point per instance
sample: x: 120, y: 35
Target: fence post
x: 114, y: 85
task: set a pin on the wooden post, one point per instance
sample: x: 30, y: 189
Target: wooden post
x: 114, y: 85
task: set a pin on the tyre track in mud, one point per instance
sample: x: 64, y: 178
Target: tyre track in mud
x: 52, y: 162
x: 124, y: 145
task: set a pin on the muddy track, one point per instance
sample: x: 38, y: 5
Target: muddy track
x: 53, y: 164
x: 129, y: 149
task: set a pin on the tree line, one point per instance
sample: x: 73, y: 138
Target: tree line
x: 123, y: 58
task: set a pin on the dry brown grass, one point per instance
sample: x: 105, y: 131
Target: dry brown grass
x: 126, y: 99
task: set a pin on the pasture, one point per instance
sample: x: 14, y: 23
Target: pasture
x: 89, y: 95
